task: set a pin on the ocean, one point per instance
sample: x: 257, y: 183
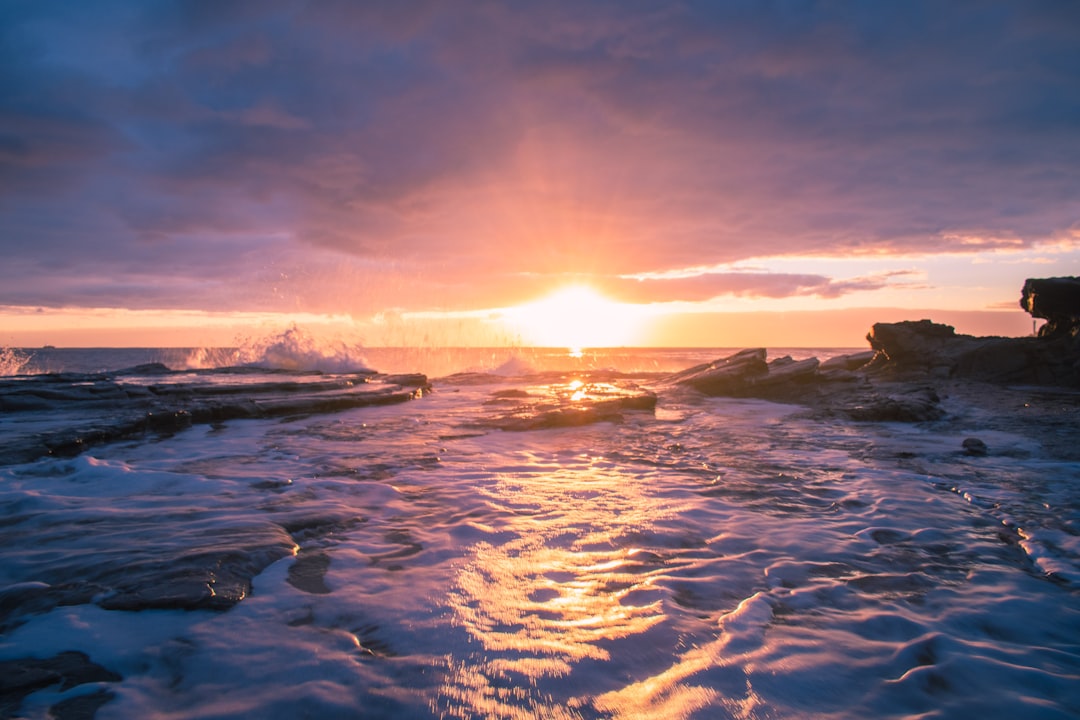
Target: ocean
x: 523, y: 533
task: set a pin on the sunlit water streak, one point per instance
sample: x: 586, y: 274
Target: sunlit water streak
x: 713, y: 558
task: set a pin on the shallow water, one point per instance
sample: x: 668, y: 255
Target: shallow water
x: 706, y: 558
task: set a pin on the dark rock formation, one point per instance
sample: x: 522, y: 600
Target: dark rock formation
x: 923, y: 349
x: 895, y: 380
x: 1056, y: 300
x: 103, y: 409
x: 23, y: 676
x: 902, y: 404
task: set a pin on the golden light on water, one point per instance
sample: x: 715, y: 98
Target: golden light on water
x: 577, y: 317
x: 569, y: 583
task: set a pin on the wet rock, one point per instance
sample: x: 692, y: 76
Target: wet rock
x: 785, y: 370
x: 728, y: 376
x: 215, y: 579
x: 573, y: 416
x: 80, y: 707
x: 414, y: 380
x: 308, y: 573
x: 974, y: 446
x: 101, y: 409
x: 23, y: 676
x: 23, y: 600
x: 853, y: 361
x: 1056, y: 300
x: 919, y: 404
x: 572, y: 405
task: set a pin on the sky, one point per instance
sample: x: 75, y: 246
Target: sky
x: 721, y: 173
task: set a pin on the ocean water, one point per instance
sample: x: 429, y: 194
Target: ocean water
x: 531, y: 535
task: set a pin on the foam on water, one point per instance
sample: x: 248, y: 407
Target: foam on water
x: 714, y: 558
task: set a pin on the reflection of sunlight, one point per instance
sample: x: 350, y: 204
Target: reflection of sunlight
x: 577, y: 390
x: 568, y: 582
x: 577, y: 317
x: 669, y: 695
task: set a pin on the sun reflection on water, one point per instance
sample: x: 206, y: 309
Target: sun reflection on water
x: 569, y: 582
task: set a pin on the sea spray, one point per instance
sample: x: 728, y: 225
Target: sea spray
x: 293, y: 349
x: 12, y: 361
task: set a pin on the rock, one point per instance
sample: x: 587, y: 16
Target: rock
x: 912, y: 342
x: 108, y: 410
x: 80, y: 707
x: 923, y: 349
x: 854, y: 361
x: 308, y: 572
x: 729, y: 376
x: 23, y: 676
x: 894, y: 381
x: 546, y: 418
x: 918, y: 404
x: 974, y: 446
x: 1056, y: 300
x: 569, y: 405
x: 786, y: 370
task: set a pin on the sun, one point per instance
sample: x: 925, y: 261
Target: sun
x: 576, y: 317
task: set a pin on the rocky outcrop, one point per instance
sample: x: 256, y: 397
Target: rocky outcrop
x: 727, y: 376
x: 103, y: 408
x: 896, y: 379
x: 923, y: 349
x: 1056, y: 300
x: 839, y: 386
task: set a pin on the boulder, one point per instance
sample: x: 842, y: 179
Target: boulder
x: 1056, y: 300
x: 914, y: 404
x: 914, y: 342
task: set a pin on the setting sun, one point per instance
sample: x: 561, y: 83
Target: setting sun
x: 577, y: 317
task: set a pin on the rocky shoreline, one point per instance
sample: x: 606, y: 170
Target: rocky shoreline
x: 912, y: 367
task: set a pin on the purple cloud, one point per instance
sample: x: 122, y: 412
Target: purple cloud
x: 438, y: 154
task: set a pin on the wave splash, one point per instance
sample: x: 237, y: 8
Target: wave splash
x: 293, y: 349
x: 12, y: 362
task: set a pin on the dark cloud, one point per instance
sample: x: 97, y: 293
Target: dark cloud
x: 467, y: 146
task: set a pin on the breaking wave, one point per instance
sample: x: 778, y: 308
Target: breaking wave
x: 293, y: 349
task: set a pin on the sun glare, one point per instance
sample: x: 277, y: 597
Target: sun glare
x: 576, y: 317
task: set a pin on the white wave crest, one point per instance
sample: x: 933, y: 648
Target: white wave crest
x: 296, y: 350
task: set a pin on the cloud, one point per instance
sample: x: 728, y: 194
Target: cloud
x: 707, y: 286
x: 475, y: 145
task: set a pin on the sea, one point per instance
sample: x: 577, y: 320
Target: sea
x: 296, y: 531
